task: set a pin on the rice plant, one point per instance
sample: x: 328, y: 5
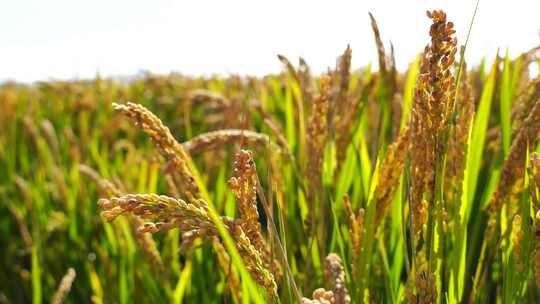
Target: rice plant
x: 354, y: 186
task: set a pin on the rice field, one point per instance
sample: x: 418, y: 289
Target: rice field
x: 354, y: 186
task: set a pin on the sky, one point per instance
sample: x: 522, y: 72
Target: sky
x: 67, y: 39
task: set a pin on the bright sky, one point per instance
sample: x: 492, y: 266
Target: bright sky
x: 66, y: 39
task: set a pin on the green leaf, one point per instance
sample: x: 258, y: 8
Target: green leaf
x: 476, y: 144
x: 408, y: 91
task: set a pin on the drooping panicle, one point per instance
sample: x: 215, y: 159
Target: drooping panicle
x: 216, y: 139
x: 174, y: 153
x: 162, y: 212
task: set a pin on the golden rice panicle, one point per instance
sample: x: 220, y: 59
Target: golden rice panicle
x: 514, y: 165
x: 422, y: 158
x: 432, y: 106
x: 162, y: 212
x: 64, y: 287
x: 356, y: 230
x: 436, y: 76
x: 317, y: 124
x: 320, y: 296
x: 216, y: 139
x: 380, y: 46
x: 170, y: 149
x: 343, y: 77
x: 244, y: 184
x: 344, y: 108
x: 390, y: 171
x: 441, y: 60
x: 334, y: 274
x: 254, y: 263
x: 166, y: 213
x: 317, y: 130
